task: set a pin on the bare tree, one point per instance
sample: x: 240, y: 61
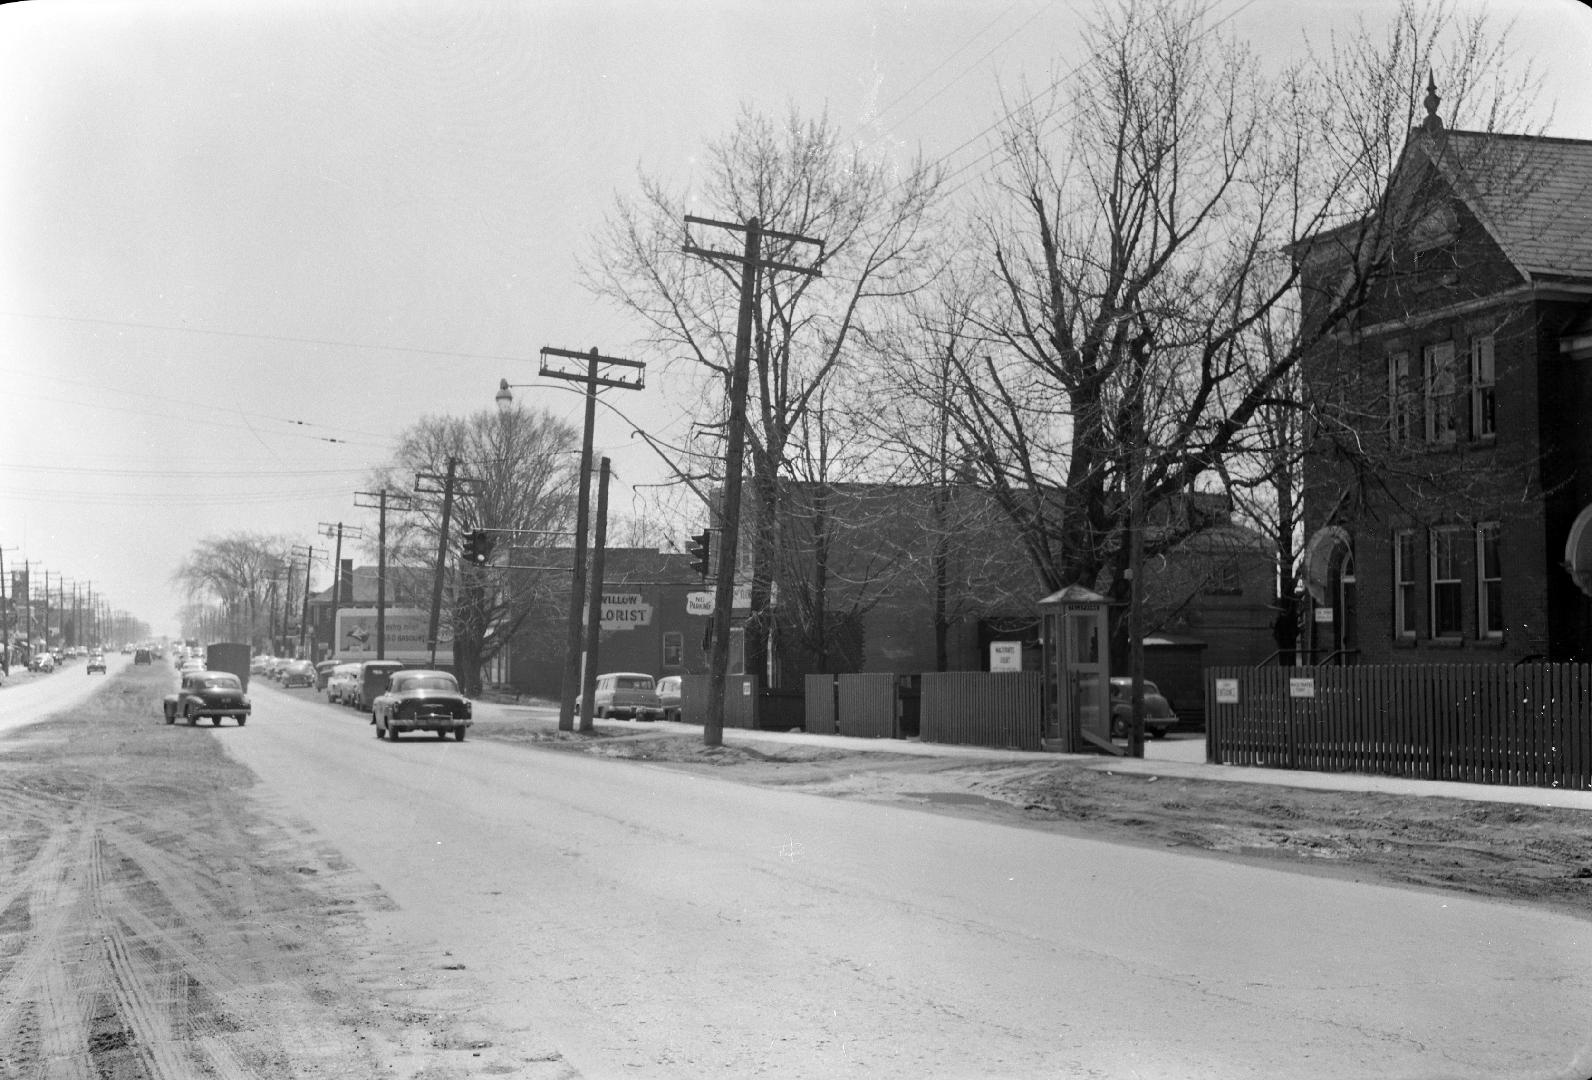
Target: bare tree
x: 1147, y: 226
x: 797, y: 178
x: 234, y: 573
x: 519, y: 473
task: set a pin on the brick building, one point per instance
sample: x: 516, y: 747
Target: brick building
x: 1464, y: 375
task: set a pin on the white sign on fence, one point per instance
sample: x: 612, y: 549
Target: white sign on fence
x: 1005, y: 656
x: 1302, y: 688
x: 1227, y: 691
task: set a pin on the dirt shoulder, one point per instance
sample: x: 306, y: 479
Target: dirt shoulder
x: 155, y: 924
x: 1500, y: 851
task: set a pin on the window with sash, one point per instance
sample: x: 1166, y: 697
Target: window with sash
x: 1400, y: 398
x: 1447, y: 598
x: 1483, y: 401
x: 1440, y: 386
x: 1404, y: 583
x: 673, y: 649
x: 1489, y: 582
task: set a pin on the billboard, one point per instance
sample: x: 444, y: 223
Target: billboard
x: 405, y: 635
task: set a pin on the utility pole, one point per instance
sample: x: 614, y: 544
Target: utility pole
x: 570, y: 687
x: 752, y: 263
x: 381, y: 498
x: 448, y: 481
x: 27, y: 585
x: 338, y: 530
x: 594, y: 610
x: 304, y: 618
x: 5, y: 616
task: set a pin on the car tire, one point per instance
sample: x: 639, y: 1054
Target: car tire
x: 392, y: 734
x: 380, y: 734
x: 242, y: 720
x: 458, y: 734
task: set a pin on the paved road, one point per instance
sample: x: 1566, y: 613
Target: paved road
x: 27, y: 699
x: 654, y: 923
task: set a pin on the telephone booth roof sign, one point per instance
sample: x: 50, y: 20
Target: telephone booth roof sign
x: 1072, y: 594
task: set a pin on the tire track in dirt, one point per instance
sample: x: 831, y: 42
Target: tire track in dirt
x: 142, y: 933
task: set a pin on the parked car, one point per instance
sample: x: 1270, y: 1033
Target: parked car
x: 630, y: 694
x: 208, y: 693
x: 96, y: 662
x: 669, y: 696
x: 340, y: 684
x: 418, y: 699
x: 42, y: 661
x: 323, y: 672
x: 278, y: 667
x: 372, y: 683
x: 1158, y: 715
x: 260, y: 664
x: 298, y: 673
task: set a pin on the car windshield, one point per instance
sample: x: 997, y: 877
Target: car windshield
x: 634, y: 684
x: 428, y: 682
x: 220, y: 682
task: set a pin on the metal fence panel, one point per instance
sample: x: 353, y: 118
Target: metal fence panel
x: 867, y: 706
x: 983, y: 708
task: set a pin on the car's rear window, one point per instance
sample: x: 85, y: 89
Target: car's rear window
x: 427, y: 682
x: 221, y: 682
x: 634, y: 684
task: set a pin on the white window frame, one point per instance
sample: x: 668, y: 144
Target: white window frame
x: 673, y: 642
x: 1404, y: 625
x: 1483, y: 394
x: 1489, y: 581
x: 1439, y: 386
x: 1446, y: 576
x: 1400, y: 399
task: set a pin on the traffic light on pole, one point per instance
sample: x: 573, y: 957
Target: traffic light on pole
x: 700, y: 549
x: 478, y: 547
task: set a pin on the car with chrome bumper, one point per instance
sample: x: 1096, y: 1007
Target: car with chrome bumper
x: 216, y: 694
x: 419, y: 699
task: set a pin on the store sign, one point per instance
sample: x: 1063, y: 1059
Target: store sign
x: 623, y: 611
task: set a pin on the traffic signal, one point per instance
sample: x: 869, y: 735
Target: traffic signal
x: 478, y: 547
x: 700, y: 549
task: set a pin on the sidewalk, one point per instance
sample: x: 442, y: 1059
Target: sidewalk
x: 1180, y: 757
x: 1186, y: 758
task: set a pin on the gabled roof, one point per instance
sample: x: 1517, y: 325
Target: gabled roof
x: 1533, y: 194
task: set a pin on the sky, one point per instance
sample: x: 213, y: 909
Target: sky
x: 244, y: 244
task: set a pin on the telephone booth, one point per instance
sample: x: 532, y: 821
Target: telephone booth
x: 1077, y: 658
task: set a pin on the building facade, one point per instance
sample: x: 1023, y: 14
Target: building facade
x: 1450, y: 532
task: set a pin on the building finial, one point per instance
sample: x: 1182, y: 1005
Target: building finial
x: 1433, y: 123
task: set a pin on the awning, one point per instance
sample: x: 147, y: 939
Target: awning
x: 1320, y: 552
x: 1578, y: 551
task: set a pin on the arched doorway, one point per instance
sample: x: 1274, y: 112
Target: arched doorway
x: 1330, y: 579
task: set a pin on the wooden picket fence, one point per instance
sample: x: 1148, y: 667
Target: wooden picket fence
x: 1528, y: 725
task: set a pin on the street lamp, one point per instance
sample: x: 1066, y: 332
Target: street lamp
x: 505, y: 395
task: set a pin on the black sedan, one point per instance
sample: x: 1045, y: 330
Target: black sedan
x: 421, y: 700
x: 208, y: 693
